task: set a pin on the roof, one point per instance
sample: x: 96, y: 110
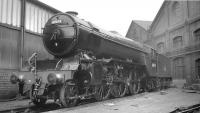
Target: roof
x: 159, y: 12
x: 37, y: 2
x: 115, y: 32
x: 144, y: 24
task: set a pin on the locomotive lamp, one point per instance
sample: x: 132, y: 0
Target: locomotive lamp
x: 60, y: 78
x: 21, y: 77
x: 21, y: 84
x: 20, y: 80
x: 14, y: 78
x: 55, y: 78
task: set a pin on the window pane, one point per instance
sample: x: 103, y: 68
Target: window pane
x: 160, y: 47
x: 177, y: 42
x: 197, y: 35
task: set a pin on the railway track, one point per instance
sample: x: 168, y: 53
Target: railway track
x: 47, y: 107
x: 52, y: 106
x: 33, y: 109
x: 190, y: 109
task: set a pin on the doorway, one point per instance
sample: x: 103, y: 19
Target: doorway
x: 179, y: 68
x: 197, y: 67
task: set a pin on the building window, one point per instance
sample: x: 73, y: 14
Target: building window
x: 176, y: 7
x: 36, y: 17
x: 197, y: 35
x: 10, y: 12
x: 197, y: 65
x: 178, y: 42
x: 153, y: 53
x: 160, y: 47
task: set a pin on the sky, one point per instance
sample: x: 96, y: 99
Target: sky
x: 111, y: 15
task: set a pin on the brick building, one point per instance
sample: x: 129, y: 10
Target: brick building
x: 175, y: 32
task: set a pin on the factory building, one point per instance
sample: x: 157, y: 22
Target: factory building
x: 138, y: 30
x: 175, y: 32
x: 21, y: 23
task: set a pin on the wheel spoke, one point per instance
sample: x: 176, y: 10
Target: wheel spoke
x: 119, y: 89
x: 102, y: 92
x: 134, y: 87
x: 66, y: 93
x: 36, y: 100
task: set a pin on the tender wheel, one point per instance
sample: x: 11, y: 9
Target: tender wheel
x: 163, y: 82
x: 168, y: 83
x: 134, y: 83
x: 134, y: 87
x: 158, y: 84
x: 38, y: 101
x: 69, y: 95
x: 119, y: 89
x: 149, y: 85
x: 102, y: 92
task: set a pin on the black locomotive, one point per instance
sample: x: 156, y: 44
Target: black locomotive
x: 93, y: 63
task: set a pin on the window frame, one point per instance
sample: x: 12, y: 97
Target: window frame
x: 196, y: 34
x: 160, y: 47
x: 176, y: 8
x: 177, y: 42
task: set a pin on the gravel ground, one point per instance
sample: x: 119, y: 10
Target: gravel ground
x: 14, y: 104
x: 155, y: 102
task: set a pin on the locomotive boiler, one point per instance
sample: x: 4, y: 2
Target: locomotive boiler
x: 93, y: 63
x: 71, y: 34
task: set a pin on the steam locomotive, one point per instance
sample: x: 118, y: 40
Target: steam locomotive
x: 93, y: 63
